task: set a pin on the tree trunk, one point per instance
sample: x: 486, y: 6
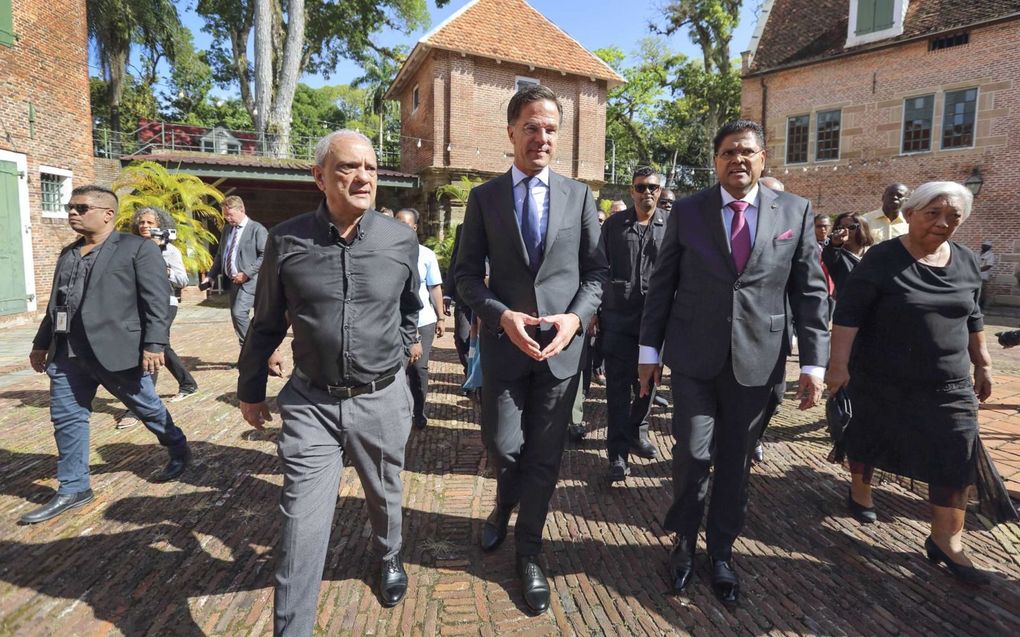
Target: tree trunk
x: 116, y: 65
x: 290, y: 72
x: 263, y: 69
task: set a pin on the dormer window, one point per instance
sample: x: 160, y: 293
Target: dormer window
x: 874, y: 20
x: 220, y: 141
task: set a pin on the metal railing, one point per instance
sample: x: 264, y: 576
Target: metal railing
x: 156, y: 137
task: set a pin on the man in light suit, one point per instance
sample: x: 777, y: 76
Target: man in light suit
x: 716, y: 308
x: 539, y: 232
x: 107, y: 323
x: 239, y: 257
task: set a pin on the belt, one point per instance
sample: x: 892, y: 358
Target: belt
x: 344, y: 392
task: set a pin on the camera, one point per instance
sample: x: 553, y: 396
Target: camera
x: 162, y: 236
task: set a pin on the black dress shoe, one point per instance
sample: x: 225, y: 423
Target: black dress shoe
x: 421, y: 423
x: 758, y: 453
x: 494, y: 529
x: 863, y: 514
x: 681, y: 566
x: 175, y: 467
x: 644, y: 448
x: 534, y: 583
x: 577, y: 432
x: 392, y: 582
x: 725, y: 583
x: 60, y: 503
x: 962, y: 572
x: 618, y: 471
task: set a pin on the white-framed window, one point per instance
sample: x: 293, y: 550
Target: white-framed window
x: 874, y: 20
x: 415, y: 99
x: 220, y: 141
x: 521, y: 82
x: 55, y: 190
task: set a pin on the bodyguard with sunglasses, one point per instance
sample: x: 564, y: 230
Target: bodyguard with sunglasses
x: 631, y: 242
x: 107, y: 324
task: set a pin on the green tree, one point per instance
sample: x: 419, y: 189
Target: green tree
x: 137, y: 101
x: 190, y: 80
x: 190, y: 201
x: 379, y: 71
x: 114, y: 26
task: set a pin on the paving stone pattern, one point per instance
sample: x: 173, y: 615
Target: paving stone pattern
x: 195, y: 557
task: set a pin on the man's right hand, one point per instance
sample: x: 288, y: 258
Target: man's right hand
x: 37, y: 358
x: 256, y: 414
x: 514, y: 324
x: 649, y: 375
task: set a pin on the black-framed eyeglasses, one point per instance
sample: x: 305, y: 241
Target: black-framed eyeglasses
x: 83, y: 208
x: 852, y: 226
x: 742, y: 153
x: 642, y: 188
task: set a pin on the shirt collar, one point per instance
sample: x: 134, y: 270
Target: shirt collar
x: 751, y: 197
x: 518, y: 175
x: 322, y: 214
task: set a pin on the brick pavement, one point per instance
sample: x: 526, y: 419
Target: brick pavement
x: 195, y: 557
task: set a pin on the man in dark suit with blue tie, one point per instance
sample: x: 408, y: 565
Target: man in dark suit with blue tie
x: 716, y: 309
x: 539, y: 233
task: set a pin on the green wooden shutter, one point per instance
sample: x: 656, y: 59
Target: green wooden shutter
x: 13, y: 297
x: 865, y: 16
x: 6, y: 23
x: 883, y: 14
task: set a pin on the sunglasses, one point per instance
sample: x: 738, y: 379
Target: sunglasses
x: 852, y: 226
x: 642, y: 188
x: 83, y: 208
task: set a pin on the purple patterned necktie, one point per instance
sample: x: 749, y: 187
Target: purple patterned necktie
x: 228, y: 266
x: 740, y: 235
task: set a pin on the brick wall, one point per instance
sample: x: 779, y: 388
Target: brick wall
x: 461, y: 118
x: 870, y: 89
x: 47, y: 68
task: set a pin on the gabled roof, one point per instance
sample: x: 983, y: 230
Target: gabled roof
x: 804, y: 31
x: 508, y: 31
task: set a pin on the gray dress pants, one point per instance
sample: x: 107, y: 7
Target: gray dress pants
x: 241, y: 303
x: 319, y: 435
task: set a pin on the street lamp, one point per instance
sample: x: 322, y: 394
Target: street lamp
x: 974, y: 182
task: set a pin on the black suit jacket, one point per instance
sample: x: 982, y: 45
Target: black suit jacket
x: 126, y: 304
x: 250, y: 248
x: 569, y: 280
x: 701, y: 312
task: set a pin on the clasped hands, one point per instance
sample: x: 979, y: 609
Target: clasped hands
x: 515, y: 324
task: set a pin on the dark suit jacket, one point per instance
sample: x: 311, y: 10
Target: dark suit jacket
x: 251, y: 246
x: 126, y: 302
x: 704, y: 312
x: 569, y: 280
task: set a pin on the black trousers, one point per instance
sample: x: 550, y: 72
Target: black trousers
x: 626, y: 411
x: 524, y: 426
x: 418, y: 372
x: 185, y: 381
x: 716, y: 421
x: 462, y: 332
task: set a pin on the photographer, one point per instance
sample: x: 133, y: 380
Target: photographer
x: 156, y: 224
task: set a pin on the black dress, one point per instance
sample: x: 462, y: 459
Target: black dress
x: 840, y: 262
x: 914, y: 408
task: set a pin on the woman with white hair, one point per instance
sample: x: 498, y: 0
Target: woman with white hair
x: 906, y: 330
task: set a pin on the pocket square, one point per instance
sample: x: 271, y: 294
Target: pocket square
x: 786, y: 236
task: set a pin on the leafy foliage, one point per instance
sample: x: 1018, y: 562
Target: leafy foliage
x: 443, y: 249
x: 189, y: 200
x: 459, y: 190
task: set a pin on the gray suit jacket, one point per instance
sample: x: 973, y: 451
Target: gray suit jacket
x: 251, y: 246
x: 569, y: 280
x: 126, y: 302
x: 701, y: 312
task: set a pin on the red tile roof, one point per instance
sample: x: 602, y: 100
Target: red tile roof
x: 805, y: 31
x: 244, y: 161
x: 510, y: 31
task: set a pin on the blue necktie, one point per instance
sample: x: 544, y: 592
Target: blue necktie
x: 530, y: 228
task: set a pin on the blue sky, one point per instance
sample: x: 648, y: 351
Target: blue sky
x: 594, y: 23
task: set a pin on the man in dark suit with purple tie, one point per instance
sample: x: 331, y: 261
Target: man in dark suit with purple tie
x: 716, y: 314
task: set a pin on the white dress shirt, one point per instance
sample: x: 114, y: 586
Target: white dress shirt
x: 234, y: 241
x: 539, y: 196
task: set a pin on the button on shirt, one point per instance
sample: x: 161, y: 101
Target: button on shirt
x: 353, y: 305
x: 72, y: 279
x: 539, y: 196
x: 428, y: 272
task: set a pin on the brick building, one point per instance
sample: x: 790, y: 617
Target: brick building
x: 45, y: 142
x: 454, y: 88
x: 857, y: 94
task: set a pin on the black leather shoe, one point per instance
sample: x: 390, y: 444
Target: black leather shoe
x: 863, y: 514
x: 535, y: 586
x: 618, y: 471
x: 725, y: 583
x: 577, y: 432
x: 681, y: 565
x: 60, y: 503
x: 644, y: 448
x: 421, y: 423
x: 962, y: 572
x: 392, y: 582
x: 758, y: 453
x: 175, y: 467
x: 494, y: 529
